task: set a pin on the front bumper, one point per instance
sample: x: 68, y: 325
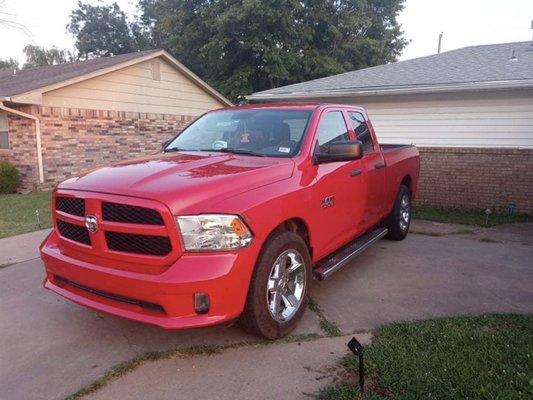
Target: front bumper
x: 164, y: 299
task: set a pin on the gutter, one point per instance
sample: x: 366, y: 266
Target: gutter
x: 476, y: 86
x: 37, y: 136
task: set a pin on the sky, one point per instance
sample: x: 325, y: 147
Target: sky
x: 463, y: 23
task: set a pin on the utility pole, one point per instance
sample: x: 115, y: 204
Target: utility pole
x: 440, y: 40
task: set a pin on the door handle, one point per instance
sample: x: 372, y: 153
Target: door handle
x: 355, y: 172
x: 379, y: 165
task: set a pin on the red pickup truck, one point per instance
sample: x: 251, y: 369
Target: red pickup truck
x: 232, y: 219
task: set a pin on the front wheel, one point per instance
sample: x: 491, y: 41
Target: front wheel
x: 278, y: 294
x: 400, y: 218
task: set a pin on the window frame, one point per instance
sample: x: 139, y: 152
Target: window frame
x: 6, y: 131
x: 349, y: 131
x: 370, y: 133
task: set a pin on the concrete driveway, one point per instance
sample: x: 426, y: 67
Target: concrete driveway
x: 51, y: 348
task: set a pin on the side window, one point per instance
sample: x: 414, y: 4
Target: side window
x: 4, y: 138
x: 332, y: 129
x: 361, y: 131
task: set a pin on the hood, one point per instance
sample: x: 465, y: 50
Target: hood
x: 185, y: 181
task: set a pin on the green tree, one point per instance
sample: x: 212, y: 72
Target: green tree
x: 39, y: 56
x: 242, y: 46
x: 9, y: 64
x: 104, y: 30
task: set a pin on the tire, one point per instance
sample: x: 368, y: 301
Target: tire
x: 400, y: 218
x: 282, y: 248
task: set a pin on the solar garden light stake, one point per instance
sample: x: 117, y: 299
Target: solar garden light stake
x: 38, y: 218
x: 357, y: 349
x: 488, y: 211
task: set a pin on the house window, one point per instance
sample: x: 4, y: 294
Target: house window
x: 4, y: 138
x: 156, y: 71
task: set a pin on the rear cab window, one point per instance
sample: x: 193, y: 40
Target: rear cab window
x: 362, y: 131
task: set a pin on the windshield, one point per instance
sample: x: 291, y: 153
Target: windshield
x: 261, y: 132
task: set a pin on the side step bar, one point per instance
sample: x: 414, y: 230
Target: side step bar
x: 326, y: 267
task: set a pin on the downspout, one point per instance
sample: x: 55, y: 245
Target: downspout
x: 37, y: 136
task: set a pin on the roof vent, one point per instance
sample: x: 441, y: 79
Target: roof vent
x: 513, y: 57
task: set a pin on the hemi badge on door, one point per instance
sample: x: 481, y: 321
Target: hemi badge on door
x: 328, y: 201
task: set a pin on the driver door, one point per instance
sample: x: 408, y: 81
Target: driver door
x: 338, y: 187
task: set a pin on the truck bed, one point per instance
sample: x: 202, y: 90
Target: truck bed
x: 401, y: 160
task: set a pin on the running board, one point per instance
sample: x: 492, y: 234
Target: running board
x: 326, y: 267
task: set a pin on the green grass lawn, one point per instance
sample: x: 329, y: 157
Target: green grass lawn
x: 467, y: 217
x: 486, y: 357
x: 17, y: 213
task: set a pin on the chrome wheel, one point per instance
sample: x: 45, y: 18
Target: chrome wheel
x: 405, y: 212
x: 286, y: 285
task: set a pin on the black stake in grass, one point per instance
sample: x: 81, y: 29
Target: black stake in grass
x: 357, y: 349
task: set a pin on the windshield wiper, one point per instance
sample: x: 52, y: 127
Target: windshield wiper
x: 223, y: 150
x: 172, y: 149
x: 242, y: 151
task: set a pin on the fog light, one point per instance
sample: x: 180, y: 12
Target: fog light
x: 201, y: 303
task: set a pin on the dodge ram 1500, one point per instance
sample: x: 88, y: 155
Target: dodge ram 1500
x: 232, y: 219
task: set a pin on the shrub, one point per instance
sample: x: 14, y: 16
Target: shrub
x: 9, y: 177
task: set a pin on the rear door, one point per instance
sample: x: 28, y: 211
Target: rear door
x: 338, y: 185
x: 374, y: 168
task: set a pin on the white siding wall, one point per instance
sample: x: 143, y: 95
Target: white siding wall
x: 483, y: 119
x: 135, y: 89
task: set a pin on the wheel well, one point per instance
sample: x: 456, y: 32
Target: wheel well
x: 298, y: 226
x: 407, y: 182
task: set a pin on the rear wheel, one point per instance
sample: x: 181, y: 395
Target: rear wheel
x: 400, y: 218
x: 278, y: 293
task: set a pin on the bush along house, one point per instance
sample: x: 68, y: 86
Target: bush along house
x: 469, y: 111
x: 59, y: 121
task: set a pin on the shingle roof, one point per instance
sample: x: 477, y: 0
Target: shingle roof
x: 34, y: 78
x: 468, y: 65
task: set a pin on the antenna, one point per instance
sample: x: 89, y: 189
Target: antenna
x: 440, y: 39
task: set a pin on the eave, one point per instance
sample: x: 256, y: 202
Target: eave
x: 394, y: 90
x: 35, y: 96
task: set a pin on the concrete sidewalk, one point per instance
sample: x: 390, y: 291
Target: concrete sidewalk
x: 269, y: 372
x: 20, y: 248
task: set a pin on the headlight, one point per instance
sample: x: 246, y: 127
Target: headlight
x: 213, y: 232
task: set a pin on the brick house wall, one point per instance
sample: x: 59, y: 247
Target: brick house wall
x: 23, y: 152
x: 77, y: 140
x: 476, y: 177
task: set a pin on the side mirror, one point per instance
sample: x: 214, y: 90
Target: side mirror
x: 341, y: 151
x: 165, y: 143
